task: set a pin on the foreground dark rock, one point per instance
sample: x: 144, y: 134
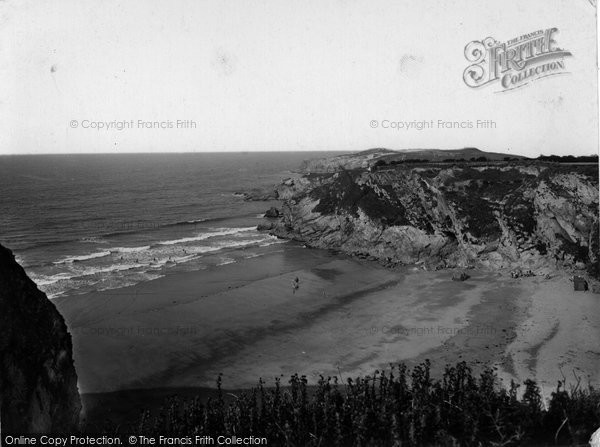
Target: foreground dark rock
x: 38, y: 383
x: 501, y: 215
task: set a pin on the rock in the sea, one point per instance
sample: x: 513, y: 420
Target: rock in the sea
x: 38, y: 383
x: 272, y: 213
x: 258, y: 195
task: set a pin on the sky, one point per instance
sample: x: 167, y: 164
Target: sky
x: 275, y: 75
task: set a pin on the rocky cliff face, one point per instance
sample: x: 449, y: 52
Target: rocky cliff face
x: 499, y: 215
x: 38, y: 383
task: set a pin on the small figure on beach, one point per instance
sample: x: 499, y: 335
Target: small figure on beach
x: 295, y: 285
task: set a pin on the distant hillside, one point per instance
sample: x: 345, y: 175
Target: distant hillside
x: 370, y: 157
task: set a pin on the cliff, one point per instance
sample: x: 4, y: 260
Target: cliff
x: 497, y: 214
x: 38, y: 383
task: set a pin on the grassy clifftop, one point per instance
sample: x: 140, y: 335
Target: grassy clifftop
x: 381, y: 156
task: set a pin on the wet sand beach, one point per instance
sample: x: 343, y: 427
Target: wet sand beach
x: 347, y: 318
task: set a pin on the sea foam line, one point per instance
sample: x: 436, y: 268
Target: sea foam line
x: 71, y: 259
x: 204, y: 236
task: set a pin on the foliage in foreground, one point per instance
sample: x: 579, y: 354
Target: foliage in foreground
x: 398, y: 408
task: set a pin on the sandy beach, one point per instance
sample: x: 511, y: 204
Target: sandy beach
x: 557, y: 336
x: 347, y: 318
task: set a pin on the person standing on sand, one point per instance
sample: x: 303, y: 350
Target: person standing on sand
x: 295, y: 285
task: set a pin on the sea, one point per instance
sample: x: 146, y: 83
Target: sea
x: 90, y: 222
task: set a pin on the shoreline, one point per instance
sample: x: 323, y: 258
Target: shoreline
x: 349, y: 318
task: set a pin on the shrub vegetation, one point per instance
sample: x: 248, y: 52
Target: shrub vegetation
x: 400, y: 407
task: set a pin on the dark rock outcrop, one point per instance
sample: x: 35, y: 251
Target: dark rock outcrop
x: 38, y: 383
x: 258, y: 195
x: 460, y: 276
x: 520, y: 273
x: 265, y: 226
x: 272, y: 213
x: 502, y: 215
